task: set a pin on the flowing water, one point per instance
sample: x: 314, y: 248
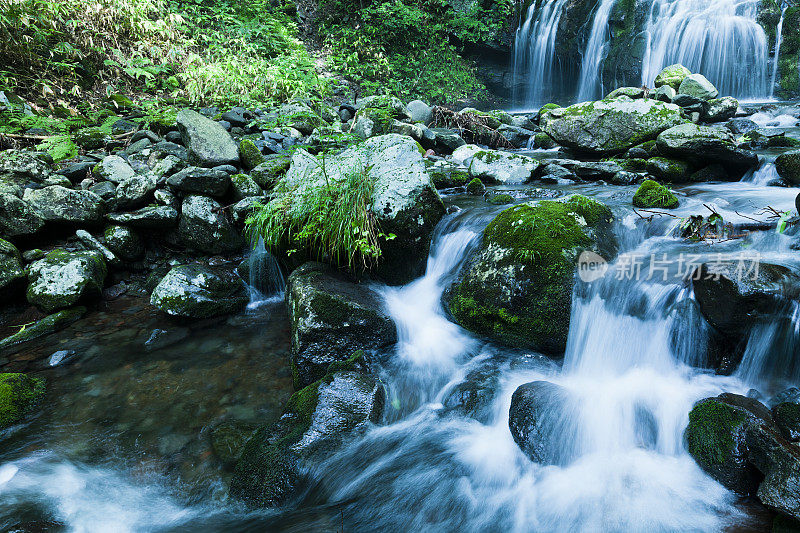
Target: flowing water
x: 777, y: 52
x: 590, y: 85
x: 721, y: 39
x: 126, y: 438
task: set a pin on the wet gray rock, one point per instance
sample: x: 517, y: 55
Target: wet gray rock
x: 160, y: 217
x: 330, y: 318
x: 720, y: 109
x: 732, y: 300
x: 317, y: 421
x: 63, y: 279
x: 77, y: 171
x: 539, y: 422
x: 208, y: 143
x: 124, y: 242
x: 446, y: 140
x: 204, y: 227
x: 25, y: 166
x: 199, y: 291
x: 494, y: 166
x: 93, y: 244
x: 135, y: 191
x: 270, y: 171
x: 698, y: 86
x: 244, y: 187
x: 114, y: 169
x: 58, y: 204
x: 703, y: 145
x: 420, y: 111
x: 740, y: 126
x: 168, y: 166
x: 195, y: 180
x: 18, y: 218
x: 105, y: 190
x: 787, y: 418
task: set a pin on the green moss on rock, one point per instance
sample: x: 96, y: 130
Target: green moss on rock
x: 517, y: 288
x: 249, y: 154
x: 501, y: 199
x: 476, y: 187
x: 709, y: 434
x: 19, y: 396
x: 652, y: 194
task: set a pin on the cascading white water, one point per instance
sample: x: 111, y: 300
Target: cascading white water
x: 534, y: 53
x: 777, y: 52
x: 719, y: 38
x: 590, y: 86
x: 265, y: 277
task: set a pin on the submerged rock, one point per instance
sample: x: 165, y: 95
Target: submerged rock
x: 317, y: 420
x: 208, y: 143
x: 516, y: 287
x: 610, y: 126
x: 44, y: 326
x: 199, y: 291
x: 330, y: 318
x: 62, y: 279
x: 20, y: 394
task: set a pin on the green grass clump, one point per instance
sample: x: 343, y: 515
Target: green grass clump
x: 652, y: 194
x: 330, y: 221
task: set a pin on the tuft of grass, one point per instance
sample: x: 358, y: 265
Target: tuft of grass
x: 330, y: 221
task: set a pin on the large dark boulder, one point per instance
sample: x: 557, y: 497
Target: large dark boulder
x: 539, y: 421
x: 331, y: 317
x: 205, y: 227
x: 516, y: 287
x: 57, y: 204
x: 317, y: 420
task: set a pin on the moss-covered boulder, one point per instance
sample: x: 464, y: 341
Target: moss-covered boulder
x: 447, y: 174
x: 90, y: 138
x: 672, y: 76
x: 652, y: 194
x: 500, y: 199
x: 20, y: 394
x: 249, y: 154
x: 787, y: 417
x: 199, y: 291
x: 12, y: 273
x: 788, y: 166
x: 610, y: 126
x: 704, y: 145
x: 671, y: 170
x: 43, y: 326
x: 243, y: 186
x: 717, y: 439
x: 317, y: 420
x: 698, y: 86
x: 62, y: 279
x: 516, y: 288
x: 330, y: 318
x: 271, y: 170
x: 475, y: 187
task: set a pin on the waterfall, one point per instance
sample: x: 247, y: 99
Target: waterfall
x: 718, y: 38
x: 534, y: 53
x: 265, y: 277
x: 778, y: 42
x: 590, y: 85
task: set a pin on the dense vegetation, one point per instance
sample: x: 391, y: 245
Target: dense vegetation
x: 239, y: 53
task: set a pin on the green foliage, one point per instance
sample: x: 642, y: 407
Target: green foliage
x: 410, y: 49
x: 60, y: 147
x: 330, y: 221
x: 220, y: 51
x: 19, y: 395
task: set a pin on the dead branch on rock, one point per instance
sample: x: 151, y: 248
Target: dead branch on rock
x: 472, y: 127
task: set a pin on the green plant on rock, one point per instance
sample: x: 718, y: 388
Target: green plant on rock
x: 19, y: 395
x: 331, y: 221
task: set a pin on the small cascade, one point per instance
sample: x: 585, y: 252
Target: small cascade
x: 266, y: 282
x: 777, y: 52
x: 590, y: 86
x: 534, y: 53
x: 719, y: 38
x: 765, y: 175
